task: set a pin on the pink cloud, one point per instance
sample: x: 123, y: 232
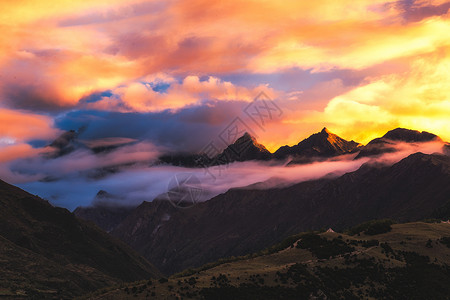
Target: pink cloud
x: 137, y: 96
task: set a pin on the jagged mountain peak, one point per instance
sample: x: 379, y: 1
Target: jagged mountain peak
x: 247, y: 135
x: 248, y: 138
x: 332, y: 138
x: 320, y: 144
x: 245, y: 148
x: 325, y: 130
x: 64, y: 139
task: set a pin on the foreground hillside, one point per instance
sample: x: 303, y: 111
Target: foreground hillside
x: 46, y: 252
x: 412, y: 261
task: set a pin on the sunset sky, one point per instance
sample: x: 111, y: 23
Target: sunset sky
x: 173, y: 74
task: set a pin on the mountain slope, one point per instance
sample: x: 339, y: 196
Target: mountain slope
x: 241, y: 221
x: 411, y: 261
x: 322, y: 144
x: 105, y: 217
x: 47, y: 248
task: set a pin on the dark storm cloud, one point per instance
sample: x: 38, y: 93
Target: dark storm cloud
x: 177, y: 131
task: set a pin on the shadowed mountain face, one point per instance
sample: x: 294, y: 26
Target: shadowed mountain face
x: 44, y: 249
x: 323, y: 144
x: 241, y: 221
x: 105, y: 217
x: 386, y: 144
x: 105, y: 212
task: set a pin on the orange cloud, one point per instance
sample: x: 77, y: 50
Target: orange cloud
x: 22, y: 126
x: 12, y: 152
x: 76, y: 48
x: 18, y: 127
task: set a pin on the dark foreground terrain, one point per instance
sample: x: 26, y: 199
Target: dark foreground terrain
x: 46, y: 252
x: 409, y: 261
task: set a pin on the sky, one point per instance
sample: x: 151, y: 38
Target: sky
x: 174, y: 75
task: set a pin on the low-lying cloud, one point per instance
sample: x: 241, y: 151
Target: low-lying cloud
x: 143, y: 181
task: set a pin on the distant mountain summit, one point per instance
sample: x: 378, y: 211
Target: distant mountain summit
x: 64, y: 144
x: 243, y: 149
x: 408, y: 135
x: 387, y: 143
x: 323, y: 144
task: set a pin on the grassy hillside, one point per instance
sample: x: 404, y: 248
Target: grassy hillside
x: 406, y: 261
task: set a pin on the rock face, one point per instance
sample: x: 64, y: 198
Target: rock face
x: 241, y: 221
x: 387, y: 143
x: 323, y: 144
x: 49, y: 249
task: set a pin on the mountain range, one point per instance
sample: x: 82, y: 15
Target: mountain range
x: 319, y: 146
x: 244, y: 220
